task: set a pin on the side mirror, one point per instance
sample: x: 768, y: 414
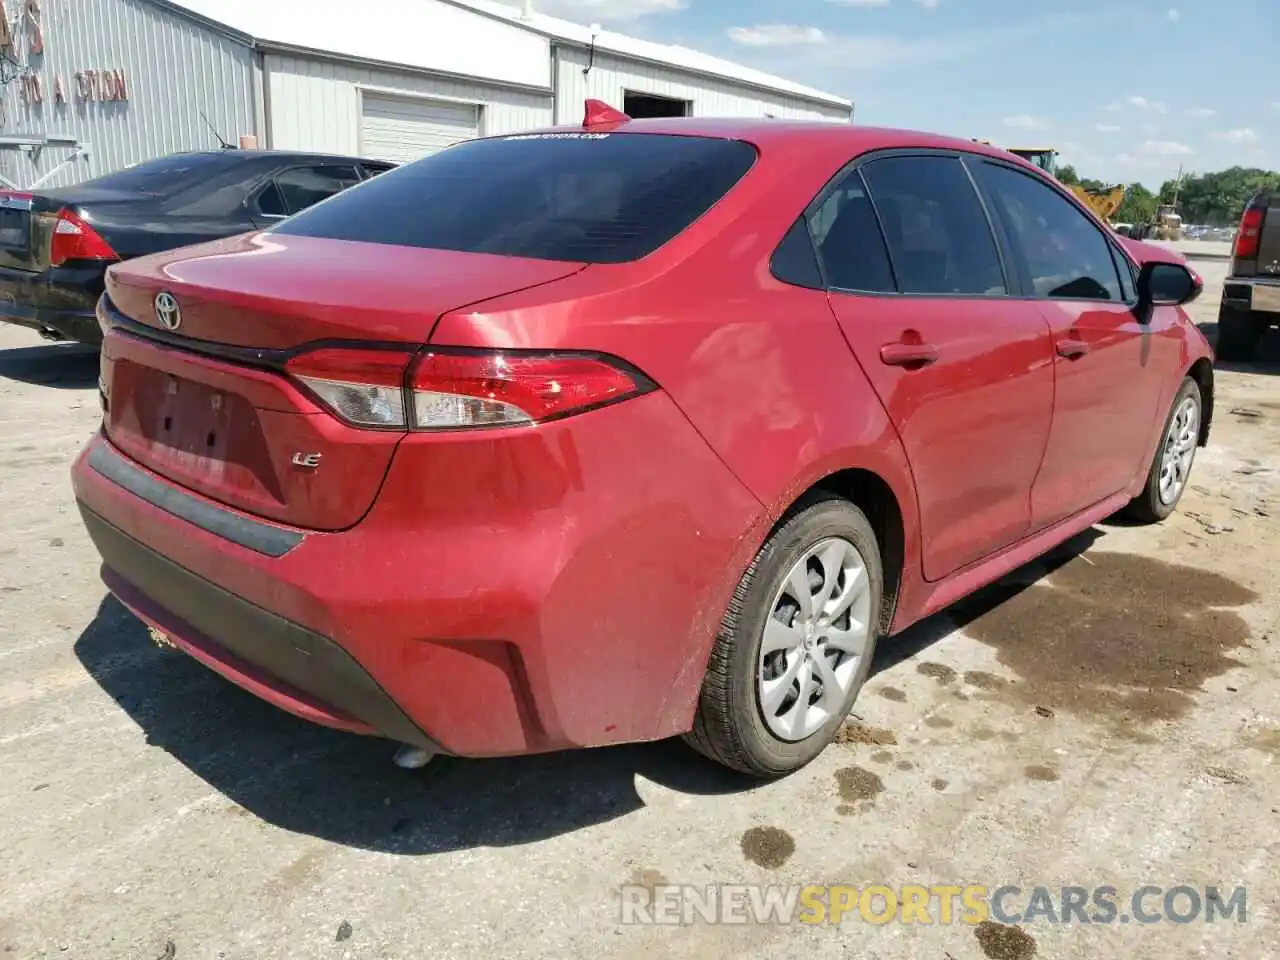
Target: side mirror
x: 1168, y: 285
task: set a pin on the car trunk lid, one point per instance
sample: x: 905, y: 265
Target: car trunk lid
x: 207, y: 403
x: 28, y: 222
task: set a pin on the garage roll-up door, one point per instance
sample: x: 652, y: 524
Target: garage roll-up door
x: 401, y: 129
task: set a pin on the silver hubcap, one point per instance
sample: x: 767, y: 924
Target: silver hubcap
x: 814, y: 639
x: 1179, y: 449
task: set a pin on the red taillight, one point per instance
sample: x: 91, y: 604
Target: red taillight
x: 452, y: 389
x: 73, y: 239
x: 1249, y: 233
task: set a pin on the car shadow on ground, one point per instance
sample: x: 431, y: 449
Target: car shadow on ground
x: 1266, y: 359
x: 68, y: 366
x: 344, y: 788
x: 932, y: 630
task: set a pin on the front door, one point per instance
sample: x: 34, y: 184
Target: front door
x: 964, y: 370
x: 1107, y: 365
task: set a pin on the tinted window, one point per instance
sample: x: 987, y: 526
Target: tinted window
x: 271, y: 201
x: 370, y: 169
x: 599, y: 198
x: 794, y: 260
x: 303, y: 187
x: 167, y: 175
x: 1128, y: 280
x: 1066, y: 256
x: 938, y: 234
x: 849, y: 240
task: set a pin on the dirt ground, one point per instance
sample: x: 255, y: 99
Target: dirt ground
x: 1109, y: 716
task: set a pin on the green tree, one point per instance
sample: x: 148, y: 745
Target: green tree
x: 1067, y: 174
x: 1139, y: 205
x: 1218, y: 198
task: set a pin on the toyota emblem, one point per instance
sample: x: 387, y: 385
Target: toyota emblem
x: 167, y: 311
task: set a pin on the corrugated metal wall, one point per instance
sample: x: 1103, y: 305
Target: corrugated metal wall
x: 610, y: 76
x: 314, y: 104
x: 173, y: 69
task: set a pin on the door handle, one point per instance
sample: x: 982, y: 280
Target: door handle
x: 1072, y: 349
x: 908, y: 354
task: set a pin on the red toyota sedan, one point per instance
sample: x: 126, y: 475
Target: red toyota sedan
x: 627, y: 431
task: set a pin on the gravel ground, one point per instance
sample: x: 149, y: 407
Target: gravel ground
x: 1111, y: 716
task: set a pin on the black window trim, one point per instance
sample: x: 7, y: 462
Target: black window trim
x: 255, y: 193
x: 1013, y: 291
x: 1066, y: 195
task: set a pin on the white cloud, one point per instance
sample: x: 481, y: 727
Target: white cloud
x: 776, y: 35
x: 1165, y: 148
x: 589, y: 11
x: 860, y: 3
x: 1024, y: 121
x: 1142, y: 103
x: 1127, y: 160
x: 1174, y: 16
x: 929, y: 4
x: 844, y: 57
x: 1106, y: 128
x: 1114, y: 107
x: 1202, y: 112
x: 1242, y: 135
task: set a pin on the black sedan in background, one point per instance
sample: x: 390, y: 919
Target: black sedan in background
x: 56, y: 245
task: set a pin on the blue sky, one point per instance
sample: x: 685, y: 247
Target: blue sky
x: 1126, y: 90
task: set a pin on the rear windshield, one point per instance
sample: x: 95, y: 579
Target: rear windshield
x: 165, y: 176
x: 590, y: 197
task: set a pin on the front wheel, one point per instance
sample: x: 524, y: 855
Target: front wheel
x: 1171, y: 467
x: 795, y: 645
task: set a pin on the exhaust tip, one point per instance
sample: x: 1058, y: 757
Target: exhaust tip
x: 412, y: 758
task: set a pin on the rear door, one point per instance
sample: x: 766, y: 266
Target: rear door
x: 963, y: 369
x: 1111, y: 366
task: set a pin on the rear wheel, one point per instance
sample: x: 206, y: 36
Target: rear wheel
x: 1239, y: 332
x: 795, y: 645
x: 1171, y: 467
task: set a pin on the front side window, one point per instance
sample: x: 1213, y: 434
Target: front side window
x: 1066, y: 256
x: 939, y: 239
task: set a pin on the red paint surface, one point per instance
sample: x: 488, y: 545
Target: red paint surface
x: 533, y: 588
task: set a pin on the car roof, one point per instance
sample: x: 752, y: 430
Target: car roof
x: 258, y: 154
x: 813, y: 134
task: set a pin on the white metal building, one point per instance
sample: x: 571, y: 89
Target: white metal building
x: 89, y: 86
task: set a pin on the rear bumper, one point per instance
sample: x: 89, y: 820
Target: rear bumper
x: 1259, y: 294
x: 282, y: 662
x: 559, y: 587
x: 59, y: 303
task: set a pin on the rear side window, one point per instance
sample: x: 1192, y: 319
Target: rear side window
x: 849, y: 241
x: 594, y: 198
x: 939, y: 238
x: 165, y: 176
x: 1065, y: 254
x: 294, y: 190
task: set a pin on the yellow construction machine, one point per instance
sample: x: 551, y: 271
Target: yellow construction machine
x: 1104, y: 202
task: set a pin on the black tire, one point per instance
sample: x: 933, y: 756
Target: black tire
x: 1239, y: 333
x: 729, y: 726
x: 1148, y: 507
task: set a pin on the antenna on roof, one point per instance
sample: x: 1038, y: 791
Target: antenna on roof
x: 221, y: 141
x: 600, y: 114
